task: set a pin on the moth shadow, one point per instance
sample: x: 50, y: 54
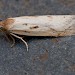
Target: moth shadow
x: 28, y: 38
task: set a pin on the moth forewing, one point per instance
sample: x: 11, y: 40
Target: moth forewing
x: 48, y: 25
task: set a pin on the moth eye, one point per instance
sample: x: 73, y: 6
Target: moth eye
x: 1, y: 27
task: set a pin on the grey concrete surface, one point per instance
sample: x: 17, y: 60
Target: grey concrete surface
x: 46, y: 55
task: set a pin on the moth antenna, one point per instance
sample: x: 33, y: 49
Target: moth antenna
x: 20, y: 39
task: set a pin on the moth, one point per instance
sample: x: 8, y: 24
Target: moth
x: 45, y: 25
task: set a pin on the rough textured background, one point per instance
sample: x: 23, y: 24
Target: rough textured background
x: 46, y: 55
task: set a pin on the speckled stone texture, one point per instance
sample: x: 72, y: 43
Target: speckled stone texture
x: 46, y: 55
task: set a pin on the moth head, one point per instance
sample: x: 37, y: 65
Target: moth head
x: 1, y: 25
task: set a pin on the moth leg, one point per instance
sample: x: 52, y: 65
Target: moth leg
x: 13, y: 40
x: 20, y: 39
x: 5, y: 35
